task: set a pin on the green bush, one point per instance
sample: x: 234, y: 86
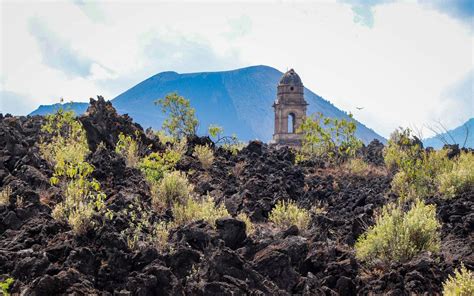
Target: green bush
x: 181, y: 121
x: 417, y: 177
x: 459, y: 177
x: 205, y: 155
x: 83, y: 199
x: 201, y: 209
x: 329, y: 137
x: 6, y: 285
x: 234, y: 148
x: 142, y: 230
x: 139, y: 226
x: 5, y: 195
x: 215, y: 131
x: 65, y: 146
x: 423, y: 173
x: 402, y: 150
x: 173, y: 188
x: 461, y: 284
x: 416, y: 168
x: 399, y: 236
x: 164, y: 138
x: 65, y: 140
x: 286, y: 214
x: 128, y: 148
x: 156, y: 164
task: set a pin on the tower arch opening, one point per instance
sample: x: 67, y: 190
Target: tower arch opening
x: 291, y: 123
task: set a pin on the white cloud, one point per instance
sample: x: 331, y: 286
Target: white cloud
x: 400, y: 69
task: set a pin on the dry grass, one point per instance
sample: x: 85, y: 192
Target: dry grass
x: 205, y: 155
x: 238, y: 169
x: 5, y: 195
x: 249, y: 227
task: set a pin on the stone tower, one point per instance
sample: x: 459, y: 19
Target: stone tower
x: 290, y: 110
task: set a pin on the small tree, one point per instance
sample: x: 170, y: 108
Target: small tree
x: 229, y: 143
x: 181, y: 121
x: 215, y: 131
x: 332, y: 137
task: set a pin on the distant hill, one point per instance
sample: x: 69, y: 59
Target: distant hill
x: 78, y: 108
x: 239, y: 100
x: 458, y: 134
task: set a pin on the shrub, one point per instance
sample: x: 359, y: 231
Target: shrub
x: 461, y: 284
x: 215, y: 131
x: 402, y: 148
x: 399, y: 236
x: 161, y: 233
x: 233, y: 148
x: 80, y: 218
x: 181, y: 121
x: 357, y: 166
x: 193, y: 210
x: 83, y: 199
x: 5, y: 195
x: 142, y: 230
x: 173, y: 188
x: 418, y: 170
x: 66, y: 148
x: 138, y: 224
x: 164, y: 138
x: 6, y: 285
x: 128, y: 148
x: 205, y: 155
x: 156, y: 164
x: 331, y: 137
x: 286, y: 214
x: 249, y: 227
x: 459, y: 178
x: 66, y: 140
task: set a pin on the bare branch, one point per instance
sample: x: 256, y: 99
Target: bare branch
x: 446, y: 131
x: 438, y: 134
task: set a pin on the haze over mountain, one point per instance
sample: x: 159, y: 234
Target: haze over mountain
x: 238, y: 100
x: 454, y: 136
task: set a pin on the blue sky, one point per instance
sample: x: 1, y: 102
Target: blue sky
x: 408, y: 63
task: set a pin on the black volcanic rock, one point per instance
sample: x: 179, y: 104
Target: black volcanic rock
x: 201, y: 258
x: 232, y: 231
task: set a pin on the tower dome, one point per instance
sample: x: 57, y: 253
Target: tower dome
x: 291, y: 78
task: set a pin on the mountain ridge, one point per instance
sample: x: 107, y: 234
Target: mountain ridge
x: 458, y: 135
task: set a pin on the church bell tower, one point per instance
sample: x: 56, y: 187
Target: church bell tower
x: 290, y: 110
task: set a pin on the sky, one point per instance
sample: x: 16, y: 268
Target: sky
x: 406, y: 63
